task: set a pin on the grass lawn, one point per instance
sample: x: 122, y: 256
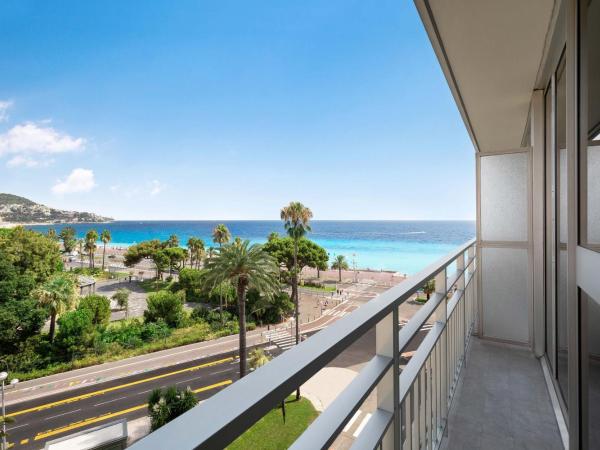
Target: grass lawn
x: 270, y: 433
x: 153, y: 285
x: 319, y: 289
x: 420, y: 299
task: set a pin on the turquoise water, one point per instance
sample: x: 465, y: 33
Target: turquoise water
x: 404, y: 246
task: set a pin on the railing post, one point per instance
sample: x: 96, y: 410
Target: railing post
x: 388, y: 389
x: 441, y: 287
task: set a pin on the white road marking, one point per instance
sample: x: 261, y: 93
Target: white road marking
x: 63, y: 414
x: 17, y: 426
x: 362, y: 425
x: 110, y: 401
x: 351, y: 421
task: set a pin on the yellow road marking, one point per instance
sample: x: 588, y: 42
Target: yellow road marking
x: 24, y: 441
x: 114, y: 388
x: 92, y: 420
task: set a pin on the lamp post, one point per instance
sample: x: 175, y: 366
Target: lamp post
x: 3, y: 377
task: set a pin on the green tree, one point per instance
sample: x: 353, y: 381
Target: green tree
x: 246, y: 266
x: 76, y: 331
x: 105, y: 237
x: 19, y: 320
x: 340, y: 264
x: 164, y: 406
x: 31, y: 252
x: 221, y: 234
x: 296, y: 218
x: 196, y: 250
x: 99, y: 306
x: 80, y: 248
x: 190, y: 281
x: 91, y: 238
x: 177, y: 256
x: 258, y: 358
x: 13, y: 284
x: 67, y: 236
x: 309, y: 253
x: 58, y: 295
x: 152, y: 249
x: 167, y: 306
x: 173, y: 241
x: 273, y: 236
x: 429, y: 288
x: 122, y: 299
x: 52, y: 234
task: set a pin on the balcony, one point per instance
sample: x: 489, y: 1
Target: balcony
x: 421, y: 399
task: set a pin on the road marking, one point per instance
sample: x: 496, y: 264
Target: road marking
x: 24, y: 441
x: 97, y: 419
x: 18, y: 426
x: 114, y: 388
x: 362, y: 425
x: 63, y: 414
x: 110, y: 401
x: 352, y: 420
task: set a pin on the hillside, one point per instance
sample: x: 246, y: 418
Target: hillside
x: 15, y: 209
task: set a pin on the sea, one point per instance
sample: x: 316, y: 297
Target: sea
x: 405, y: 246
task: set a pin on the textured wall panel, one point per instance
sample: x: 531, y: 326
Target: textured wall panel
x: 505, y: 294
x: 504, y: 197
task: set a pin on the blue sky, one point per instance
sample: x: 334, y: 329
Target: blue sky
x: 229, y: 110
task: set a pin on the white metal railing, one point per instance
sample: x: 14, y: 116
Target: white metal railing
x: 412, y: 402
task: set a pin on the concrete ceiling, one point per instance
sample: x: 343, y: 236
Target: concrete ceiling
x: 491, y: 53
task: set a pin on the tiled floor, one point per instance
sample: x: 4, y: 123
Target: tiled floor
x: 502, y: 402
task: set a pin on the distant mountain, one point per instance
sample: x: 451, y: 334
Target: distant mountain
x: 15, y: 209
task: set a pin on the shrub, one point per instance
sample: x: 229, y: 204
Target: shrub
x: 99, y: 307
x: 76, y: 332
x: 164, y: 406
x: 190, y: 280
x: 167, y: 306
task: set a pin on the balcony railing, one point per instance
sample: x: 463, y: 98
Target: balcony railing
x: 412, y: 401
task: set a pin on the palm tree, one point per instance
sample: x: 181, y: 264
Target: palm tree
x: 91, y: 237
x: 58, y: 295
x: 221, y: 235
x: 340, y: 264
x: 105, y: 237
x: 296, y: 218
x: 429, y: 288
x: 247, y: 267
x: 52, y: 234
x: 80, y: 246
x: 196, y: 249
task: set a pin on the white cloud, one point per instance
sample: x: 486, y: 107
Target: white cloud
x: 30, y: 142
x: 22, y: 161
x: 5, y: 105
x: 79, y: 180
x: 156, y: 187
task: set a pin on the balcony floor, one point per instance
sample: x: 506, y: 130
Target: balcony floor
x: 502, y: 402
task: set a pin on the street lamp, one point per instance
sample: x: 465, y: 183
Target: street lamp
x: 3, y: 377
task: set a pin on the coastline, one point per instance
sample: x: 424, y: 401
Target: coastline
x: 44, y: 224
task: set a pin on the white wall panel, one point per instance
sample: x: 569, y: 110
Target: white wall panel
x: 505, y: 294
x: 504, y: 197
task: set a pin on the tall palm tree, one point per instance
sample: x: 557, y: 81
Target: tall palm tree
x: 247, y: 267
x: 221, y: 235
x: 58, y: 295
x: 80, y: 246
x: 196, y: 249
x: 105, y: 237
x: 91, y: 237
x: 296, y: 218
x: 340, y: 264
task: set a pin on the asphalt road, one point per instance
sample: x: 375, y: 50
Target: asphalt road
x: 55, y: 416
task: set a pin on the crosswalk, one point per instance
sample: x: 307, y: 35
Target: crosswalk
x: 425, y: 327
x: 282, y: 338
x: 335, y: 313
